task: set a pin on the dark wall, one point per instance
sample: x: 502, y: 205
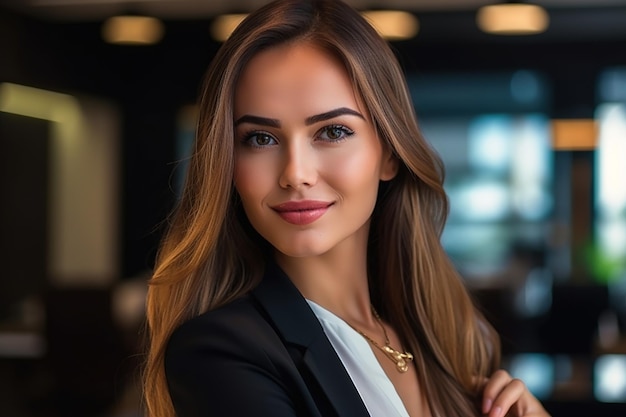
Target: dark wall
x: 24, y: 148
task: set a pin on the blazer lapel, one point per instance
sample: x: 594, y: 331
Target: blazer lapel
x: 297, y: 324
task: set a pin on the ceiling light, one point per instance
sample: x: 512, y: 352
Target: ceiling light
x: 132, y: 30
x: 392, y: 24
x: 512, y: 19
x: 225, y: 24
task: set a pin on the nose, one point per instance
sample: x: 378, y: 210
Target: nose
x: 298, y: 168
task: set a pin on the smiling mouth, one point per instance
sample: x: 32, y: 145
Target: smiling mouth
x: 302, y: 212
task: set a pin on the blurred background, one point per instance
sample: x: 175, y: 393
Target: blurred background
x: 526, y: 105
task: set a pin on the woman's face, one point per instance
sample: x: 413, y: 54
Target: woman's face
x: 308, y: 160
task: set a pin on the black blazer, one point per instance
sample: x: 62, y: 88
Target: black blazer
x: 263, y: 355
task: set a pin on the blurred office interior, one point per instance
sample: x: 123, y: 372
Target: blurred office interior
x: 93, y: 141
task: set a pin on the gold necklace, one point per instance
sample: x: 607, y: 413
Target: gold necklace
x: 401, y: 360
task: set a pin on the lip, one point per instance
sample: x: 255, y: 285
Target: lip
x: 302, y: 212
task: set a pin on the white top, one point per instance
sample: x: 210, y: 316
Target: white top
x: 377, y: 392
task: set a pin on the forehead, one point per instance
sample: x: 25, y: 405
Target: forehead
x: 293, y: 77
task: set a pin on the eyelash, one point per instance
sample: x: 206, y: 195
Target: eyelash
x: 346, y: 132
x: 248, y: 137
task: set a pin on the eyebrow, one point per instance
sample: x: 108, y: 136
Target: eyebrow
x: 332, y: 114
x: 265, y: 121
x: 257, y: 120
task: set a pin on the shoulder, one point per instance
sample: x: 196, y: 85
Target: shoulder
x: 222, y: 346
x: 218, y: 358
x: 226, y: 327
x: 242, y: 310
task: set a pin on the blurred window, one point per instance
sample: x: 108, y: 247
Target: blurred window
x: 492, y: 133
x: 610, y: 378
x: 609, y: 260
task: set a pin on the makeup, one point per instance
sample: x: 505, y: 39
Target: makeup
x: 302, y: 212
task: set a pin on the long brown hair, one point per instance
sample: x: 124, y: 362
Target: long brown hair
x: 210, y: 254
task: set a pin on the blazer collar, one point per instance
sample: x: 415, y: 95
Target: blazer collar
x: 297, y: 324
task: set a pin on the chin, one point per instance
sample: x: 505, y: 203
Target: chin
x: 301, y: 251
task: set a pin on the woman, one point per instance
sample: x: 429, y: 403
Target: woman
x: 302, y: 274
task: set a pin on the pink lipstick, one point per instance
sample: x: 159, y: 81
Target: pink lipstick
x: 302, y: 212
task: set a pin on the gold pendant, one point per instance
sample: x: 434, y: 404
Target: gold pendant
x: 401, y: 359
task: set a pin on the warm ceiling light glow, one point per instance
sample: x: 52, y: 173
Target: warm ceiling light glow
x: 393, y: 25
x: 512, y: 19
x: 132, y: 30
x: 574, y: 134
x: 225, y: 24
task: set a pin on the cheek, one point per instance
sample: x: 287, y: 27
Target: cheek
x: 355, y: 168
x: 251, y: 177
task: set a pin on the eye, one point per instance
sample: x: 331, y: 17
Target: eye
x: 335, y: 133
x: 259, y: 139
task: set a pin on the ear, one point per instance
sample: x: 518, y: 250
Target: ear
x: 390, y: 165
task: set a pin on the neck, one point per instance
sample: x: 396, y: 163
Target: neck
x: 336, y: 280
